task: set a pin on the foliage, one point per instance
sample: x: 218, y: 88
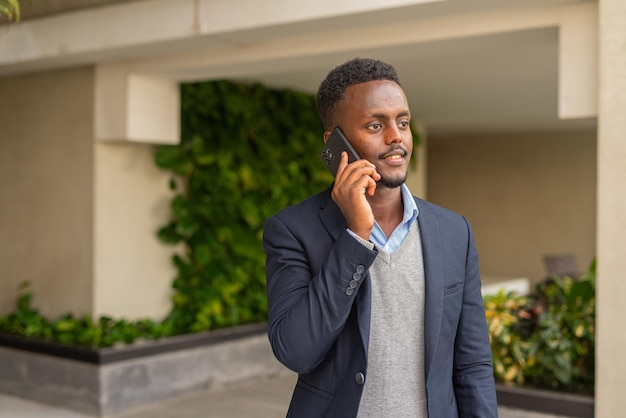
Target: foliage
x: 546, y: 339
x: 10, y: 9
x: 26, y: 321
x: 246, y: 151
x: 505, y: 318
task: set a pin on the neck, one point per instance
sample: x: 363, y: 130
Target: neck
x: 388, y: 208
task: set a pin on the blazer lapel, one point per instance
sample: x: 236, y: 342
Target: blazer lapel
x: 433, y: 272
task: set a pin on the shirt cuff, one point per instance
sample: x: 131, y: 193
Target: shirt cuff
x: 366, y: 243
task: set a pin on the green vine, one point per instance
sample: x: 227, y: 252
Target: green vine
x: 246, y: 151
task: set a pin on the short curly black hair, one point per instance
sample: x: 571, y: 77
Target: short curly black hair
x: 355, y: 71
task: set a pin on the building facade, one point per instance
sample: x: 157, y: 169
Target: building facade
x: 521, y: 103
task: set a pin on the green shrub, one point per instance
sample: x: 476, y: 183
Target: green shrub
x: 26, y: 321
x: 246, y: 152
x: 546, y: 339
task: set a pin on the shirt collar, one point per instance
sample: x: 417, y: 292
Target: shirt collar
x: 410, y: 214
x: 410, y: 208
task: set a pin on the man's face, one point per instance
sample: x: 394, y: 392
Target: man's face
x: 375, y: 118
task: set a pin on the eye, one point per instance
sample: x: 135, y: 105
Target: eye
x: 376, y: 126
x: 404, y: 124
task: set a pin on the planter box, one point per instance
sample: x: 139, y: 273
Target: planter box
x: 111, y: 380
x: 106, y: 381
x: 545, y: 401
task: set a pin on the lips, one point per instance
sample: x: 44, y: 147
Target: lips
x: 394, y: 154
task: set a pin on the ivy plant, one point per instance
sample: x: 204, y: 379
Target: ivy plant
x: 246, y: 151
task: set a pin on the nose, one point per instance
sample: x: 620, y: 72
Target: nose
x: 393, y: 134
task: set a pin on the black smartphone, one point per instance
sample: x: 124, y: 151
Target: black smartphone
x: 331, y: 152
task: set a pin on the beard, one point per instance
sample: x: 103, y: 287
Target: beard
x: 391, y: 183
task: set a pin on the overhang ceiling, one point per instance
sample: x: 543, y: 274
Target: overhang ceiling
x: 501, y: 79
x: 502, y: 82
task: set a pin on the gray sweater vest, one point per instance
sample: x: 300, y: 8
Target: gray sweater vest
x: 394, y: 383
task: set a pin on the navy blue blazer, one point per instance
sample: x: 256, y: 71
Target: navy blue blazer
x: 320, y: 329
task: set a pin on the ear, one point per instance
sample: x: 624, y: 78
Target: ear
x: 326, y: 135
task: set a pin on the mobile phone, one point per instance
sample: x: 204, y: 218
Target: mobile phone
x: 331, y: 152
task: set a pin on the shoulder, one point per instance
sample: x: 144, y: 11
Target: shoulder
x: 448, y: 222
x: 433, y: 209
x: 310, y: 205
x: 302, y: 213
x: 309, y: 222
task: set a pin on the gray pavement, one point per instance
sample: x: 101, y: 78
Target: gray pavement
x: 266, y: 398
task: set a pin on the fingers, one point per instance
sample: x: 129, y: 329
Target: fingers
x: 353, y: 183
x: 359, y: 173
x: 343, y: 163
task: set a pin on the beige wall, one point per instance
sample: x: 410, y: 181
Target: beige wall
x: 525, y: 195
x: 133, y: 271
x: 611, y: 309
x: 46, y: 185
x: 78, y: 218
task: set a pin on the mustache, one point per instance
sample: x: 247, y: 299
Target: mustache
x: 393, y: 151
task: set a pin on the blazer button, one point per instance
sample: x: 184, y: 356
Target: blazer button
x: 360, y: 378
x: 360, y: 268
x: 349, y: 291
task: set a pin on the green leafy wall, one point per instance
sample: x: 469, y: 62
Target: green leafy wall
x: 246, y: 152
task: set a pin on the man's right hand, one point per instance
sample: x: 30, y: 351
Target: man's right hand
x: 353, y: 182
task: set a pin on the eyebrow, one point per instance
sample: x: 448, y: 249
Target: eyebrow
x: 385, y: 116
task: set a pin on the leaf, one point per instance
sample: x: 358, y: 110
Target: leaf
x: 173, y: 158
x: 202, y: 254
x: 11, y: 9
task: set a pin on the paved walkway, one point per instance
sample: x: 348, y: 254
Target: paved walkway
x: 261, y: 399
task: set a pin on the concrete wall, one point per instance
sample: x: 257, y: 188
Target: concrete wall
x: 78, y: 218
x: 46, y: 187
x: 525, y: 195
x: 133, y: 271
x: 611, y: 309
x: 139, y: 381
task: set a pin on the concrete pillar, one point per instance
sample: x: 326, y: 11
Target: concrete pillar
x: 135, y: 107
x: 611, y: 238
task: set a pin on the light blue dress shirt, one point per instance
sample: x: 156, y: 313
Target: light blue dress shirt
x: 399, y: 234
x: 390, y: 244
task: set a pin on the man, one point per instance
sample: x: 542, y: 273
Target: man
x: 374, y: 295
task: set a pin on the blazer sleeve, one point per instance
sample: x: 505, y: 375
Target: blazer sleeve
x: 473, y: 373
x: 308, y: 274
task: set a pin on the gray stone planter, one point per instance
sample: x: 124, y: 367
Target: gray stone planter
x: 545, y: 401
x: 106, y: 381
